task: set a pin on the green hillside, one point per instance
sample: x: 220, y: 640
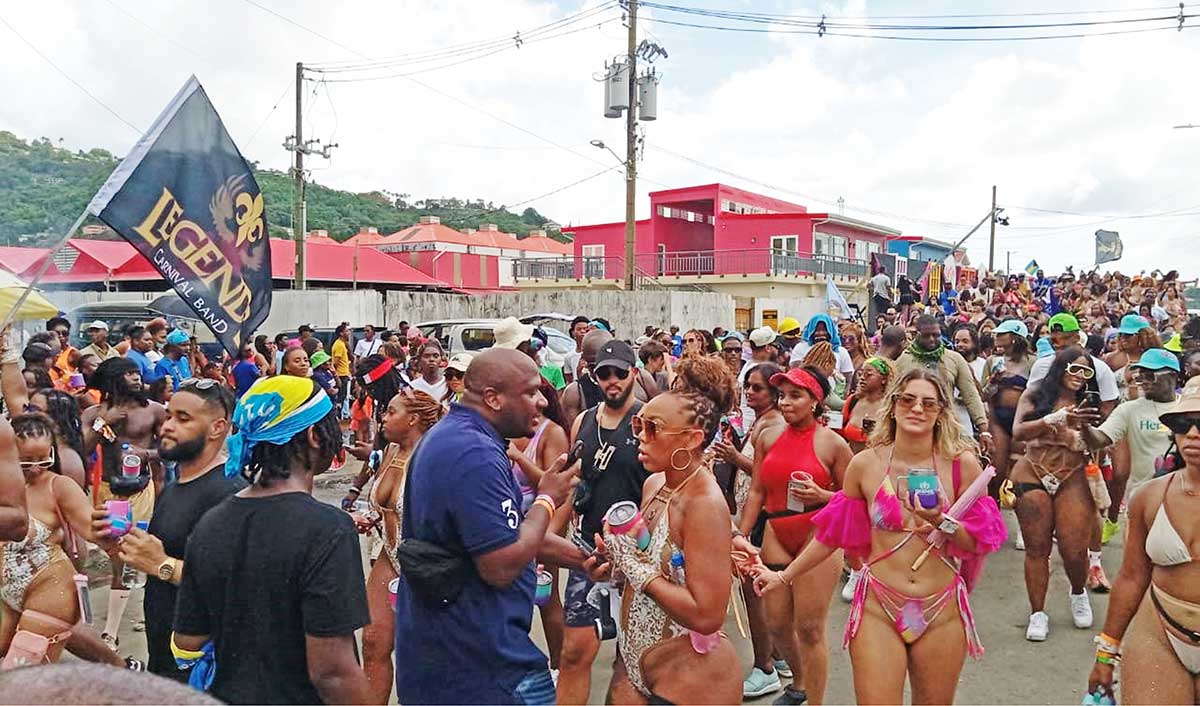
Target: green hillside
x: 43, y: 187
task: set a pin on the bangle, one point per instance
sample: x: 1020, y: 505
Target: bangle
x: 547, y: 498
x: 1106, y: 658
x: 353, y: 489
x: 542, y: 501
x: 738, y: 533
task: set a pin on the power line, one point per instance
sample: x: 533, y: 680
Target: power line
x: 505, y: 208
x: 1101, y: 11
x: 67, y: 76
x: 513, y: 41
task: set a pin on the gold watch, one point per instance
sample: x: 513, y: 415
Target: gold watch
x: 166, y: 570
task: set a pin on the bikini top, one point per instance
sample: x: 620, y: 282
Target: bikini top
x: 886, y: 511
x: 1164, y: 546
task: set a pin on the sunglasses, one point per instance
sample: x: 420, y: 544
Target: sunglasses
x: 453, y: 374
x: 1080, y: 371
x: 648, y: 429
x: 45, y: 464
x: 535, y: 344
x: 757, y: 387
x: 609, y: 372
x: 1181, y: 425
x: 730, y: 350
x: 199, y: 383
x: 910, y: 401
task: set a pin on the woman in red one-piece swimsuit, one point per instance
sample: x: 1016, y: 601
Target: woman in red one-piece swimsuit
x: 797, y: 618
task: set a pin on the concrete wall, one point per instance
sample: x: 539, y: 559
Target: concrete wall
x: 629, y: 312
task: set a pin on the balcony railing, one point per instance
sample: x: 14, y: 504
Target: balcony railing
x: 691, y: 263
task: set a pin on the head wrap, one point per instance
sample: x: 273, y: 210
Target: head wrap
x: 273, y: 410
x: 835, y: 338
x: 880, y: 365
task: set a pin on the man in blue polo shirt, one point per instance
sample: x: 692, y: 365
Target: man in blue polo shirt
x: 461, y: 492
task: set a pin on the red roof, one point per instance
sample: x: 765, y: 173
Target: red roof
x: 335, y: 263
x: 364, y: 238
x: 17, y: 260
x: 428, y: 233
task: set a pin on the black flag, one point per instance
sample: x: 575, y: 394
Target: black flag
x: 1108, y: 246
x: 187, y: 200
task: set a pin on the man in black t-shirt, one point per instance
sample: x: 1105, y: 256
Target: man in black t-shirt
x: 273, y: 588
x: 194, y: 436
x: 610, y: 472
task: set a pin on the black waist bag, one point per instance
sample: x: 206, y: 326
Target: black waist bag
x: 435, y: 573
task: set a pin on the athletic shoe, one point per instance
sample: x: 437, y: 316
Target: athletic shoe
x: 791, y: 697
x: 1019, y: 541
x: 851, y: 585
x: 782, y: 669
x: 1097, y: 581
x: 1109, y: 531
x: 135, y: 665
x: 759, y: 683
x: 1039, y: 627
x: 1081, y: 610
x: 110, y: 640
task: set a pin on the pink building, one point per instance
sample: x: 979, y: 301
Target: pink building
x: 718, y: 230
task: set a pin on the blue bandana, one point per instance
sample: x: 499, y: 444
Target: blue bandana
x: 273, y: 410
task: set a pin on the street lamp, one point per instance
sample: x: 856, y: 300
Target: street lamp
x: 599, y: 144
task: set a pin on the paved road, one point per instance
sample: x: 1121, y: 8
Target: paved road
x: 1013, y: 671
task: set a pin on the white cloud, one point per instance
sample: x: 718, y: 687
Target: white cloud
x: 891, y: 126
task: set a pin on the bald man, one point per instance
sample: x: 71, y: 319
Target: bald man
x: 461, y: 495
x: 85, y: 683
x: 585, y: 392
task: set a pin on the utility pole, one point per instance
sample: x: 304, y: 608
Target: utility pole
x: 297, y: 144
x: 992, y: 239
x: 1008, y: 262
x: 298, y: 215
x: 631, y: 152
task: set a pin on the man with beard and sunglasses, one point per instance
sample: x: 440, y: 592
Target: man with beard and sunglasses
x: 193, y: 435
x: 125, y: 416
x: 610, y: 473
x: 586, y: 392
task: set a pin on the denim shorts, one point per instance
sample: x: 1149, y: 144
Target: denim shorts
x: 578, y: 612
x: 537, y: 688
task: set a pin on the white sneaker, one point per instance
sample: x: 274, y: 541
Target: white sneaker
x: 851, y: 585
x: 1039, y: 627
x: 1081, y: 610
x: 1019, y: 541
x: 759, y: 683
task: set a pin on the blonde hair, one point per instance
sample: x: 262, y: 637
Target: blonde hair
x: 864, y: 341
x: 949, y: 437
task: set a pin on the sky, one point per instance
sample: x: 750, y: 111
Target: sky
x: 911, y: 135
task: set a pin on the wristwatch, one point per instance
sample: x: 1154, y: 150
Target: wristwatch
x: 949, y: 525
x: 166, y: 570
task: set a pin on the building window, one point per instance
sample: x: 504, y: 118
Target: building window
x: 789, y: 244
x: 593, y: 250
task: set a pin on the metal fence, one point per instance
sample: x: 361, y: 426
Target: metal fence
x: 690, y: 263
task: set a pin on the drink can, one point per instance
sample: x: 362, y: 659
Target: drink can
x: 625, y: 518
x: 799, y: 478
x: 77, y: 381
x: 923, y: 487
x: 393, y: 589
x: 83, y: 592
x: 119, y: 516
x: 131, y: 466
x: 545, y: 583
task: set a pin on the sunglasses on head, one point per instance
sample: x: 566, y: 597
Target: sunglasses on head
x: 648, y: 428
x: 1181, y: 424
x: 199, y: 383
x: 1080, y: 371
x: 609, y: 371
x: 911, y: 401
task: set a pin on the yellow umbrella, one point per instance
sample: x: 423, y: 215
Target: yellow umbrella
x: 35, y: 305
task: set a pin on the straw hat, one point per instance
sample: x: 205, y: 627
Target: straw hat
x: 1188, y: 402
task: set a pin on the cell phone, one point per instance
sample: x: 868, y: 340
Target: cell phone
x: 1091, y: 399
x: 574, y: 454
x: 584, y: 545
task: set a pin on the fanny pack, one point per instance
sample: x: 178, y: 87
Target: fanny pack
x: 435, y: 573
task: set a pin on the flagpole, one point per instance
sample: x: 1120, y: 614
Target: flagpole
x: 12, y: 313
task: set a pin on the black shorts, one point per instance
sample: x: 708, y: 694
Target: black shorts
x: 907, y: 300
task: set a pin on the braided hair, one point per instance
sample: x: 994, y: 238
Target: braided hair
x: 109, y: 380
x: 422, y: 404
x: 63, y: 410
x: 270, y: 463
x: 821, y: 356
x: 706, y: 387
x: 36, y: 425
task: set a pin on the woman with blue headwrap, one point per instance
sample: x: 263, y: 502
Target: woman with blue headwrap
x: 272, y: 573
x: 821, y: 328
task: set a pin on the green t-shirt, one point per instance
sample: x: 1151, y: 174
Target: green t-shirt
x: 554, y: 374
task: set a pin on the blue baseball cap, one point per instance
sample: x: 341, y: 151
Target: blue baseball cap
x: 1014, y: 326
x: 1157, y: 359
x: 178, y: 337
x: 1131, y: 324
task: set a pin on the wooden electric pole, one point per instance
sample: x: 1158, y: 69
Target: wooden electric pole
x: 631, y: 153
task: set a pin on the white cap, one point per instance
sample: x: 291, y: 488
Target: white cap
x: 460, y: 362
x: 510, y: 333
x: 762, y: 336
x: 97, y: 324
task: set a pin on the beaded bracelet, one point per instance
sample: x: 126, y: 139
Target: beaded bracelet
x: 1106, y: 643
x: 1107, y: 658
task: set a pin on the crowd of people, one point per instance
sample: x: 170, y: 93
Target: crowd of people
x: 639, y: 490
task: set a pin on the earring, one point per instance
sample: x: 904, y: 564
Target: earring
x: 677, y: 467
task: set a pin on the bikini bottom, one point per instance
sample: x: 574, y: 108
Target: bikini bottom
x: 912, y: 616
x: 1005, y: 416
x: 1187, y: 650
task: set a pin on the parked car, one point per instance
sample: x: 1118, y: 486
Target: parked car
x: 474, y: 335
x: 120, y: 315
